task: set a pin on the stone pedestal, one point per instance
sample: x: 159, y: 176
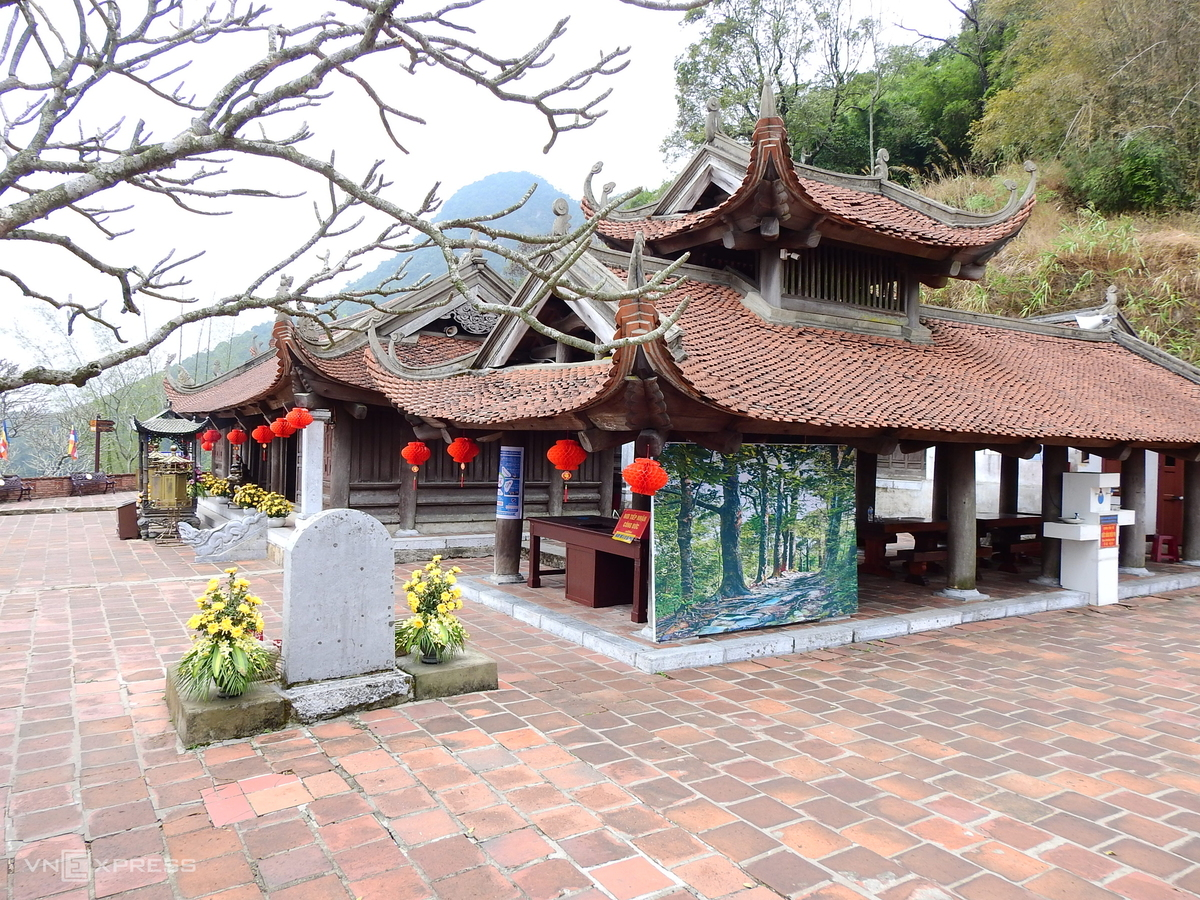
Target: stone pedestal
x: 312, y: 465
x: 464, y: 673
x: 262, y: 708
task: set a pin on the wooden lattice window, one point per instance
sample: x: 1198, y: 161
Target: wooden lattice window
x: 843, y: 275
x: 902, y: 466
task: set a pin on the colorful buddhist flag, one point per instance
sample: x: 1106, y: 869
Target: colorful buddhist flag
x: 73, y: 445
x: 4, y: 439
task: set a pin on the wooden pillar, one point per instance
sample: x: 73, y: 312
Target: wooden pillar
x: 1189, y: 550
x: 1133, y: 496
x: 339, y: 462
x: 962, y: 540
x: 507, y: 555
x: 1054, y: 464
x: 607, y: 481
x: 865, y: 471
x: 554, y: 494
x: 1010, y: 485
x: 407, y: 500
x: 937, y: 510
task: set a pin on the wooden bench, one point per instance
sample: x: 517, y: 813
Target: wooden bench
x: 12, y: 488
x: 91, y: 483
x: 916, y: 562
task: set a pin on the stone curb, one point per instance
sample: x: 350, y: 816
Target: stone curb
x: 799, y: 639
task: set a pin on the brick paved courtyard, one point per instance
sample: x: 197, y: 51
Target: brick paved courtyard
x: 1053, y: 756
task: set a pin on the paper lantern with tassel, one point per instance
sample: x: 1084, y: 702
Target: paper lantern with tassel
x: 416, y: 454
x: 206, y: 446
x: 567, y: 456
x: 263, y: 435
x: 299, y: 418
x: 236, y: 436
x: 645, y: 476
x: 462, y: 450
x: 281, y: 427
x: 210, y: 437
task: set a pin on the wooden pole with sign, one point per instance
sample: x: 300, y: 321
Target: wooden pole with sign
x: 99, y: 427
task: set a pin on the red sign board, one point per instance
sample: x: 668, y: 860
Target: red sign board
x: 631, y: 526
x: 1108, y: 532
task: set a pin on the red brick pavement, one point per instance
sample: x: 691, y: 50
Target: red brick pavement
x: 1053, y: 756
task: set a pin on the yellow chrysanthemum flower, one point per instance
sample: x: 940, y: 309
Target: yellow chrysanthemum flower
x: 232, y: 570
x: 226, y: 624
x: 194, y: 621
x: 445, y: 595
x: 220, y: 604
x: 212, y: 629
x: 417, y: 622
x: 237, y: 631
x: 450, y: 579
x: 243, y: 608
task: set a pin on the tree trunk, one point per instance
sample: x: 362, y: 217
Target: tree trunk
x: 687, y: 516
x: 733, y: 580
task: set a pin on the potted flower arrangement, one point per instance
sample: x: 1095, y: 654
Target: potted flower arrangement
x: 248, y: 496
x: 225, y: 653
x: 276, y: 506
x: 213, y: 487
x: 433, y: 628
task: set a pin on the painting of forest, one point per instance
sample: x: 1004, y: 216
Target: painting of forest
x: 760, y: 537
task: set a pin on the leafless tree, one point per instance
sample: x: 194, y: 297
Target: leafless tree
x: 72, y: 175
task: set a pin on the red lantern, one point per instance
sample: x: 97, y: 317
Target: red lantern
x: 236, y: 436
x: 210, y: 437
x: 263, y: 435
x: 206, y: 446
x: 462, y: 450
x: 416, y: 454
x: 645, y: 476
x: 567, y: 456
x: 299, y: 418
x: 281, y: 427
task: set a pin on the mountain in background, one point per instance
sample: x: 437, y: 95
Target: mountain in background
x: 495, y: 192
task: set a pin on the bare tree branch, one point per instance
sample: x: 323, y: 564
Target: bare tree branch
x: 67, y: 156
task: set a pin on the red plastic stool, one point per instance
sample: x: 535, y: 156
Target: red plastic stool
x: 1164, y: 548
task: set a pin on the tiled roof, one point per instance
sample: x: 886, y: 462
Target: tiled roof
x: 496, y: 396
x: 870, y: 207
x: 429, y: 350
x: 257, y: 379
x: 972, y: 379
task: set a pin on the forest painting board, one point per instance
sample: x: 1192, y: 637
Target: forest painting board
x: 752, y: 539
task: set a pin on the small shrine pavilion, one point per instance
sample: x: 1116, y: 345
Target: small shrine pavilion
x: 804, y: 325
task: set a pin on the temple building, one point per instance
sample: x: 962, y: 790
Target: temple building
x: 804, y: 326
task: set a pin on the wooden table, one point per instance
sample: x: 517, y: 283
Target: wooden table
x: 600, y: 571
x: 877, y: 535
x: 1007, y: 536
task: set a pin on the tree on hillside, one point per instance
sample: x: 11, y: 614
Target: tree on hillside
x: 808, y: 50
x: 1112, y: 88
x: 221, y: 92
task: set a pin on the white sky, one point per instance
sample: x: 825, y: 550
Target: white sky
x: 469, y: 135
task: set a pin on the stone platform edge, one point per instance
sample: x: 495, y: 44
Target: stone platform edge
x: 797, y: 639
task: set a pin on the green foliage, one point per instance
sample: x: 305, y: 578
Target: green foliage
x: 1138, y: 174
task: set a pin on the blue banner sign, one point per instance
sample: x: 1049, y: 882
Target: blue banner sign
x: 508, y: 484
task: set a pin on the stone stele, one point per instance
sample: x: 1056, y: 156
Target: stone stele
x: 338, y: 599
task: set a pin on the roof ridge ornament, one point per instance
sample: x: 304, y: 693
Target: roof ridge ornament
x: 562, y: 216
x: 712, y: 121
x: 766, y: 106
x: 881, y: 164
x: 588, y: 196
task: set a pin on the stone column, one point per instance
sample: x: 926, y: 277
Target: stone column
x: 311, y: 480
x: 1054, y: 464
x: 865, y: 471
x: 1133, y: 496
x: 1010, y: 485
x: 937, y: 510
x: 962, y: 539
x: 1189, y: 549
x: 510, y: 520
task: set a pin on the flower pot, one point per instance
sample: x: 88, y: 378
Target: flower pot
x: 276, y: 521
x: 430, y: 659
x: 219, y: 501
